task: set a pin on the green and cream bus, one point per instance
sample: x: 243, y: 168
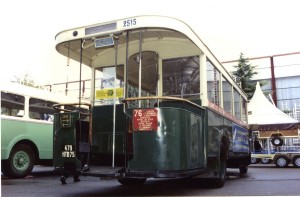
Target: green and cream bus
x: 26, y: 128
x: 162, y: 105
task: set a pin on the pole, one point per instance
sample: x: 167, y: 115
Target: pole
x: 114, y: 111
x: 140, y: 67
x: 274, y: 93
x: 80, y: 69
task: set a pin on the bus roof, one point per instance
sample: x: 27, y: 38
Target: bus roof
x: 108, y: 28
x: 69, y: 41
x: 24, y: 90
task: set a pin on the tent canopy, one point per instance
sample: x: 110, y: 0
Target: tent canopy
x: 266, y: 115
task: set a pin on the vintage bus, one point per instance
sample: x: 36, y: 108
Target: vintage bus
x: 162, y: 105
x: 26, y: 128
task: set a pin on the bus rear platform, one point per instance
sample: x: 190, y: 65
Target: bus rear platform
x: 121, y: 172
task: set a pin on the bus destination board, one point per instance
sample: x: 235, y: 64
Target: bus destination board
x: 144, y: 120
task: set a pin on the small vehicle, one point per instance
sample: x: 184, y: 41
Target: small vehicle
x: 26, y: 128
x: 281, y: 150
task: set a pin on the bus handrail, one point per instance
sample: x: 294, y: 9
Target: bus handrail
x: 57, y: 107
x: 161, y: 98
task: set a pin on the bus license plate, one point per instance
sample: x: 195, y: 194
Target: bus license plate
x: 68, y: 151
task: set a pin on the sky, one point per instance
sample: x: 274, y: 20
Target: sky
x: 253, y: 27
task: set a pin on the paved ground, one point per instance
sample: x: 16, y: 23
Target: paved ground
x: 263, y: 180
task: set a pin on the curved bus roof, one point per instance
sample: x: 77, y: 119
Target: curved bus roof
x: 69, y: 41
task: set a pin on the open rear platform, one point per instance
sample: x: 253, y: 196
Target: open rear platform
x: 120, y: 172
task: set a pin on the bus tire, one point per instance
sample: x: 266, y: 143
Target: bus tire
x: 243, y: 169
x: 282, y: 162
x: 296, y: 161
x: 220, y: 181
x: 20, y: 162
x: 132, y: 181
x: 277, y: 141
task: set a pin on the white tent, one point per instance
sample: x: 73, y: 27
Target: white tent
x: 267, y: 116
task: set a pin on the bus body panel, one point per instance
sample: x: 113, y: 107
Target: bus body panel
x: 16, y: 130
x: 239, y: 152
x: 27, y: 127
x: 65, y: 137
x: 103, y: 129
x: 176, y: 145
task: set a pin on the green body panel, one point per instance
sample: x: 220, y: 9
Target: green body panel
x: 177, y: 145
x: 13, y: 130
x: 187, y: 138
x: 102, y: 128
x: 238, y: 141
x: 65, y: 136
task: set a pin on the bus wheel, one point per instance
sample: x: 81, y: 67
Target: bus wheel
x: 132, y: 181
x: 243, y: 169
x: 20, y: 162
x: 219, y: 182
x: 281, y: 162
x: 296, y: 161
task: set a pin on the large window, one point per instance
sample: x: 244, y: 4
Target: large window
x: 181, y: 77
x: 41, y: 109
x: 106, y: 86
x: 12, y: 104
x: 142, y: 77
x: 213, y: 83
x: 227, y: 95
x: 244, y: 108
x: 237, y: 104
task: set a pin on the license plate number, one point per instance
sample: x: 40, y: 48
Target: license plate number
x: 68, y: 151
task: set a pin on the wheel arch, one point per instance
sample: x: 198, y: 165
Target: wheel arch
x: 224, y: 143
x: 31, y: 144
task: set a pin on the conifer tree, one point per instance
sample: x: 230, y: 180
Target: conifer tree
x: 243, y: 74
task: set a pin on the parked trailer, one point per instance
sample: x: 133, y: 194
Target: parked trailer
x: 281, y: 148
x: 281, y: 159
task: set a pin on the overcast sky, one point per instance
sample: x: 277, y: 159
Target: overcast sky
x: 254, y: 27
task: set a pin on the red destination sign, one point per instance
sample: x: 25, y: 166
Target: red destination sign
x: 144, y: 120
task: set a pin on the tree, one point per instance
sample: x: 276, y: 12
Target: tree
x: 243, y: 74
x: 25, y: 79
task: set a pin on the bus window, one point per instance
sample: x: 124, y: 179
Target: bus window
x: 181, y: 77
x: 244, y: 110
x: 142, y: 69
x: 104, y: 84
x: 227, y: 95
x: 12, y: 104
x: 213, y: 86
x: 237, y: 104
x: 41, y: 109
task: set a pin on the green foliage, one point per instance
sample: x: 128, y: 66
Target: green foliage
x: 25, y: 79
x: 243, y: 74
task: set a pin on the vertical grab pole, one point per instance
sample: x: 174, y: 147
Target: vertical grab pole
x: 126, y: 93
x: 114, y: 111
x: 80, y: 69
x: 140, y: 67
